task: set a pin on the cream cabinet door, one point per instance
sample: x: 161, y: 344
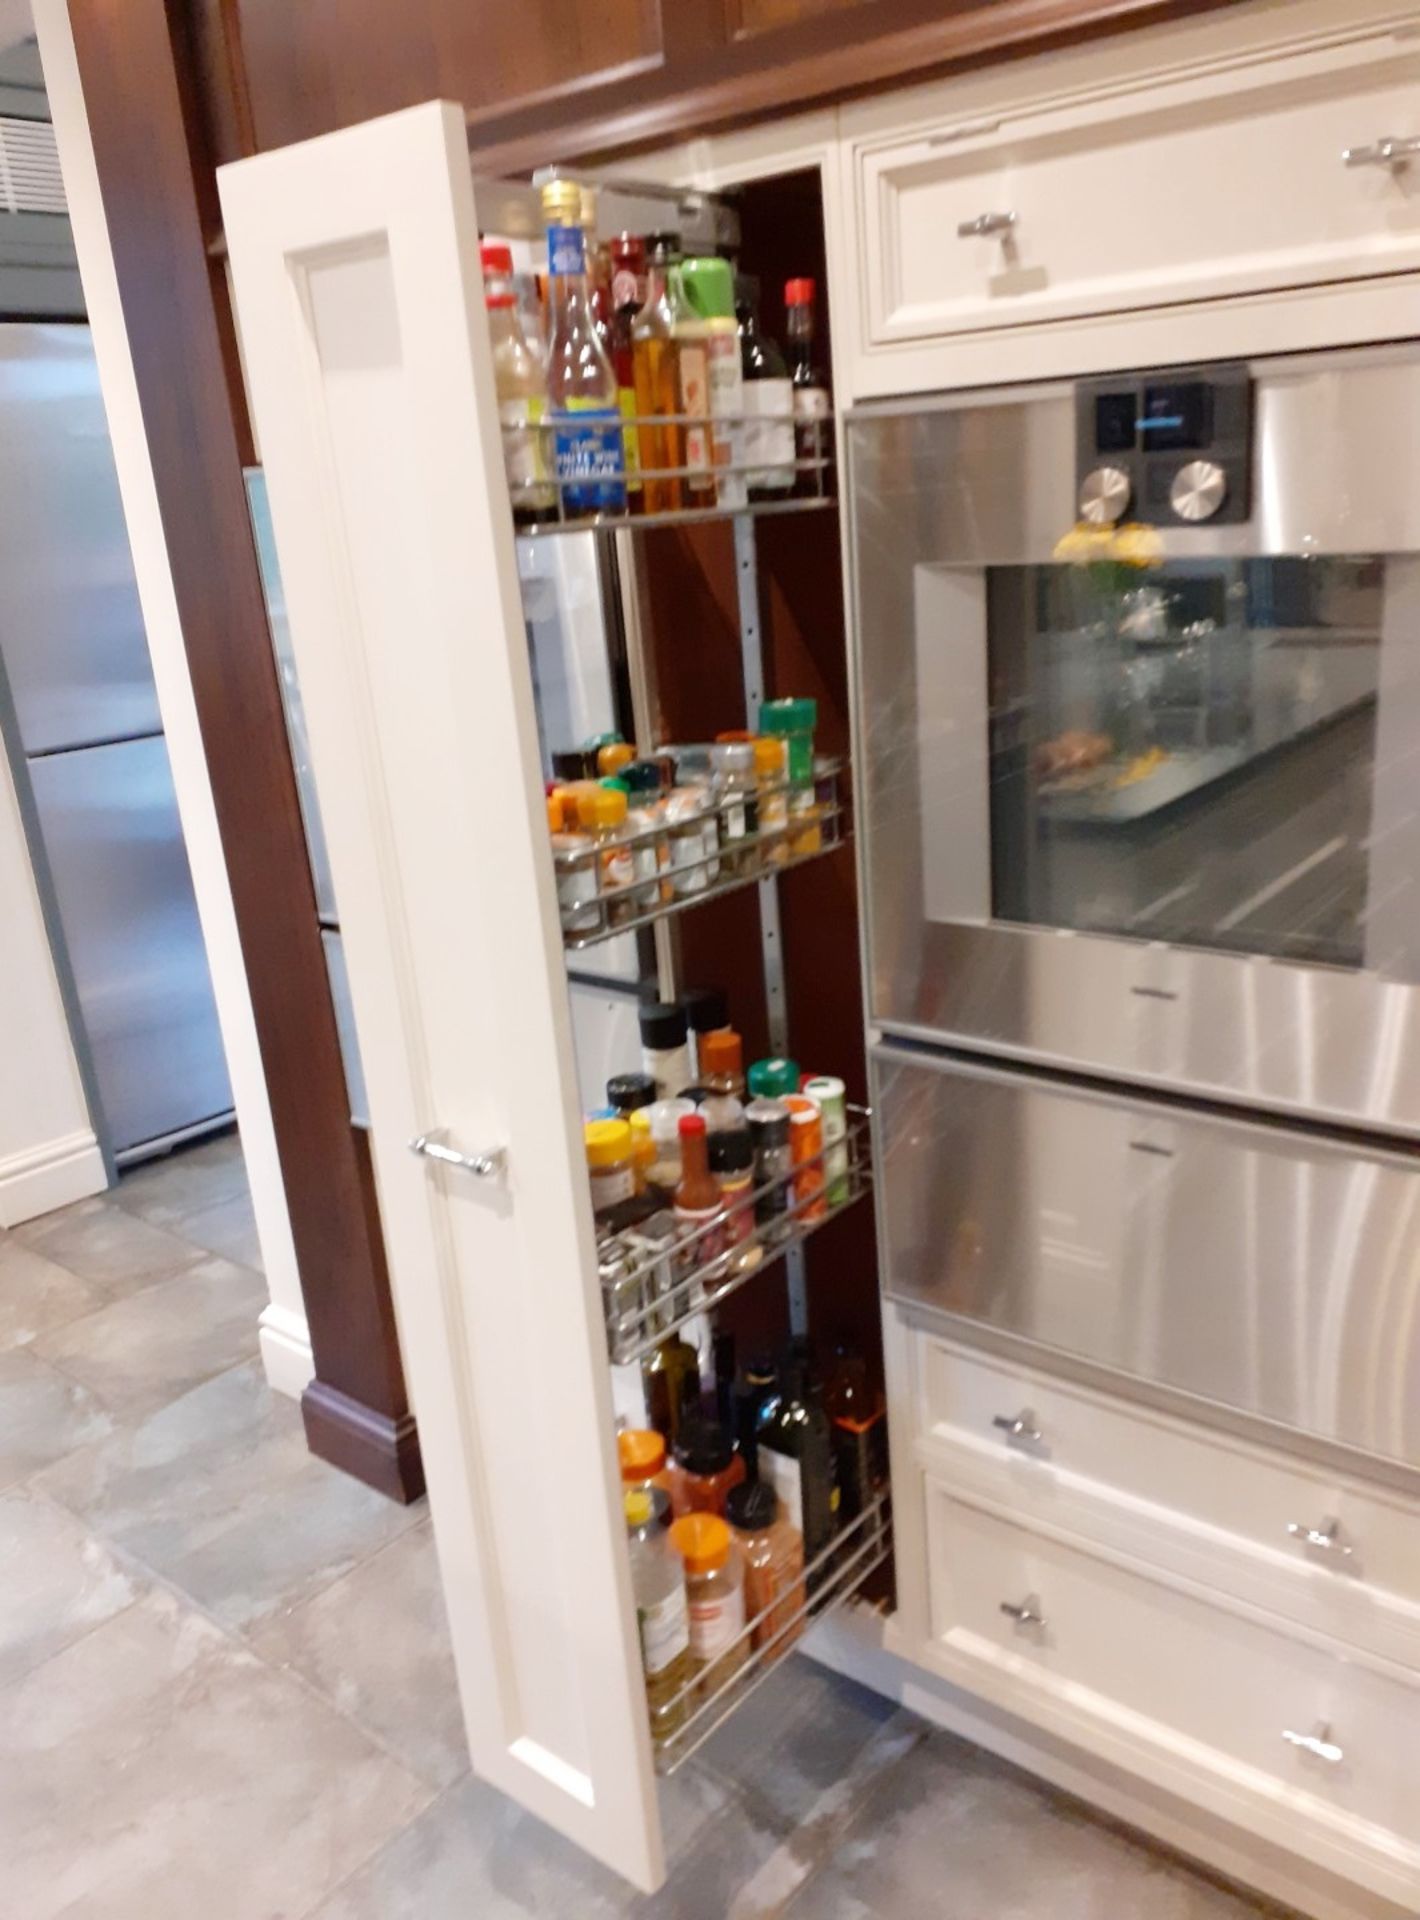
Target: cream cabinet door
x: 355, y: 265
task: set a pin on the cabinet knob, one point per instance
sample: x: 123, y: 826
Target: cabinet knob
x: 986, y: 224
x: 1025, y: 1614
x: 1020, y: 1427
x: 1388, y: 151
x: 1318, y: 1742
x: 485, y: 1163
x: 1326, y: 1538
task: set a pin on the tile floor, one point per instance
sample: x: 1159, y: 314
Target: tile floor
x: 225, y: 1686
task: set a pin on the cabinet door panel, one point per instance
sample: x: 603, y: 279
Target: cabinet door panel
x: 359, y: 298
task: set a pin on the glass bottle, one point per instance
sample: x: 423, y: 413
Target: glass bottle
x: 697, y: 1201
x: 706, y: 1467
x: 662, y: 1612
x: 628, y: 294
x: 693, y: 348
x: 709, y: 288
x: 575, y: 861
x: 859, y: 1420
x: 773, y: 1553
x: 768, y: 404
x: 795, y: 1456
x: 611, y: 1170
x: 735, y: 785
x: 671, y: 1376
x: 657, y: 381
x: 756, y: 1384
x: 811, y: 401
x: 603, y: 811
x: 521, y: 386
x: 581, y: 385
x: 598, y: 269
x: 715, y: 1598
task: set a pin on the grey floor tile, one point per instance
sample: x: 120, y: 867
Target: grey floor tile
x: 473, y: 1853
x: 376, y: 1643
x: 168, y: 1191
x: 145, y: 1349
x: 58, y: 1582
x: 43, y: 1416
x: 37, y: 1295
x: 228, y: 1228
x: 218, y: 1493
x: 156, y: 1768
x: 953, y: 1834
x: 104, y: 1243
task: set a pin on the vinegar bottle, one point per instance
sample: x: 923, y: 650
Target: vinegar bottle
x: 581, y: 384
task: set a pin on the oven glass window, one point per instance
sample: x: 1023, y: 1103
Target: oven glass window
x: 1194, y: 754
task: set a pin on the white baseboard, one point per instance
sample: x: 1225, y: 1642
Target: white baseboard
x: 286, y: 1350
x: 853, y: 1643
x: 49, y: 1176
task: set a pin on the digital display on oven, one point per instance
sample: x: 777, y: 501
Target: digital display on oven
x: 1176, y: 416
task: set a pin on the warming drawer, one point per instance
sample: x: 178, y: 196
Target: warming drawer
x: 1262, y: 1270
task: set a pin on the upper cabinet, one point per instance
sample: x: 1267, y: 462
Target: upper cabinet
x: 1228, y: 160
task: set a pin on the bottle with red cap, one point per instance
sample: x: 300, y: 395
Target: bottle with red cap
x: 810, y: 383
x: 522, y: 391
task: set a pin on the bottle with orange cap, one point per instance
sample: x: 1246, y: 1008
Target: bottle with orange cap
x: 715, y: 1598
x: 521, y: 386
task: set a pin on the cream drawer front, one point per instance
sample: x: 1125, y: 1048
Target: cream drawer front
x: 1198, y: 1698
x: 1106, y: 1450
x: 1220, y: 183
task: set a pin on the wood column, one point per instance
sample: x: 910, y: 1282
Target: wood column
x: 152, y: 144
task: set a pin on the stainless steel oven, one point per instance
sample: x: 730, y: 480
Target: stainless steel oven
x: 1146, y: 804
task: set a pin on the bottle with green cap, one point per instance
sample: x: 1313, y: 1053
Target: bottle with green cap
x: 708, y: 286
x: 793, y: 721
x: 772, y: 1079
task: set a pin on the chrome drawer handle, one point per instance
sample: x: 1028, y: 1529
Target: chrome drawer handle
x: 1326, y: 1537
x: 1319, y: 1743
x: 1027, y: 1614
x: 1022, y: 1427
x: 985, y: 224
x: 1388, y: 151
x: 486, y: 1164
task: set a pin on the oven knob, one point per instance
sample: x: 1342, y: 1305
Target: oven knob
x: 1198, y: 490
x: 1104, y: 494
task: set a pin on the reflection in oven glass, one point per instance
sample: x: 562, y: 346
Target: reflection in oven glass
x: 1189, y: 754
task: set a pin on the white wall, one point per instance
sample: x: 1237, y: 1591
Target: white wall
x: 285, y: 1342
x: 48, y: 1151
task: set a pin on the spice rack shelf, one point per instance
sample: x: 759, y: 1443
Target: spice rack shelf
x: 594, y: 914
x: 650, y: 1288
x: 573, y: 509
x: 830, y: 1579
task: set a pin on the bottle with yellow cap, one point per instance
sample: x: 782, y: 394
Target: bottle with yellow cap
x: 611, y: 1168
x: 662, y: 1615
x: 715, y: 1597
x: 602, y: 812
x: 581, y: 383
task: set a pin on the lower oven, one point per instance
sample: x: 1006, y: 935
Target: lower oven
x: 1138, y: 665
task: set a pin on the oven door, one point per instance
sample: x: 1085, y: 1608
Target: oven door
x: 1157, y: 820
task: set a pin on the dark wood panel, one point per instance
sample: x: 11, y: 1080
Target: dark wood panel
x: 746, y: 17
x: 160, y: 201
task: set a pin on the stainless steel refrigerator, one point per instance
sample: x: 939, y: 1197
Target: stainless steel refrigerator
x: 86, y: 743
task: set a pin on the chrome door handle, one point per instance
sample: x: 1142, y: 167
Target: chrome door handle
x: 1327, y: 1537
x: 985, y: 224
x: 1027, y: 1614
x: 1388, y: 151
x: 488, y: 1163
x: 1319, y: 1743
x: 1023, y: 1427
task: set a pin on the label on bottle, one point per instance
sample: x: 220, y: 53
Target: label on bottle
x: 588, y: 457
x: 769, y: 434
x: 695, y: 399
x: 782, y: 1472
x: 522, y: 448
x: 630, y: 449
x: 618, y: 869
x: 625, y: 289
x: 716, y: 1624
x: 566, y: 250
x: 736, y: 820
x: 665, y: 1630
x: 810, y: 403
x: 708, y: 1243
x: 610, y: 1186
x: 579, y: 884
x: 726, y: 406
x: 689, y: 873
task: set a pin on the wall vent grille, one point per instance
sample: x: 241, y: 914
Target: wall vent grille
x: 29, y: 167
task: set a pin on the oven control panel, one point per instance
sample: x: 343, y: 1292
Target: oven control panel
x: 1172, y: 447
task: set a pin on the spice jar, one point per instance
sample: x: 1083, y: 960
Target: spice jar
x: 645, y: 826
x: 692, y: 838
x: 574, y: 861
x: 769, y: 1123
x: 772, y: 1549
x: 614, y: 756
x: 773, y: 1078
x: 627, y: 1091
x: 733, y: 765
x: 707, y: 1466
x: 732, y: 1163
x: 721, y: 1060
x: 714, y: 1592
x: 771, y: 776
x: 641, y: 1456
x: 665, y: 1118
x: 610, y: 1167
x: 806, y: 1153
x: 805, y: 823
x: 603, y: 811
x: 665, y: 1045
x: 830, y: 1097
x: 793, y: 722
x: 643, y: 1147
